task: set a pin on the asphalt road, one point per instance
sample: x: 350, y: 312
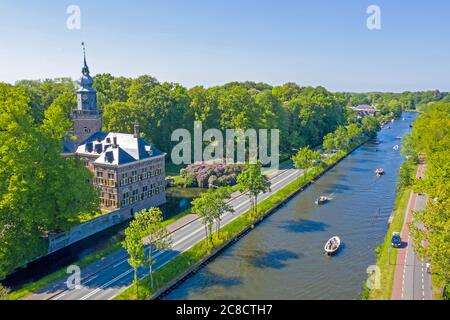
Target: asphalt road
x: 416, y: 281
x: 115, y: 274
x: 411, y: 281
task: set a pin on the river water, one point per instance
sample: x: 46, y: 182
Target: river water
x: 283, y: 257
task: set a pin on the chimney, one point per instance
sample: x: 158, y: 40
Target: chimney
x: 114, y: 142
x: 137, y: 130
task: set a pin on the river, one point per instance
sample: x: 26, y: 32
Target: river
x: 283, y: 257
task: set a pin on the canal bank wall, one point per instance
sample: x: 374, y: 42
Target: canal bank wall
x: 176, y: 282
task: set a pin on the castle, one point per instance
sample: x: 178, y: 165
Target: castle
x: 128, y: 172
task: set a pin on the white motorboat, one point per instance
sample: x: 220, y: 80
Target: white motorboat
x: 332, y: 245
x: 322, y: 200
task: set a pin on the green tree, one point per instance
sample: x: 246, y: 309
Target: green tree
x: 405, y: 176
x: 120, y: 117
x: 56, y: 122
x: 102, y: 83
x: 238, y: 109
x: 306, y: 159
x: 220, y: 206
x: 156, y: 234
x: 203, y: 206
x: 370, y: 126
x: 253, y: 182
x: 329, y: 143
x: 32, y: 177
x: 135, y: 247
x: 120, y: 88
x: 431, y: 227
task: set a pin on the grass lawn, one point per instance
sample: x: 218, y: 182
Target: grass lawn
x: 386, y: 255
x: 86, y: 217
x: 388, y: 269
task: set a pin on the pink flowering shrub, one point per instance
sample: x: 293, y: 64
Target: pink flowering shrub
x: 204, y: 175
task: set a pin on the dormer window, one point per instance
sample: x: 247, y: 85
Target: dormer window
x: 86, y: 130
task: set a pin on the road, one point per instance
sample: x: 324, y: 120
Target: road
x: 411, y: 282
x: 107, y: 278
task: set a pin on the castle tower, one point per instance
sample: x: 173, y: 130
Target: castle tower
x: 87, y: 119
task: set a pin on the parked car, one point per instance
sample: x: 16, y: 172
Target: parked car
x: 396, y: 240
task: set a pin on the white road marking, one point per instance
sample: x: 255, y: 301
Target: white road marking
x: 90, y: 279
x: 107, y: 284
x: 180, y: 241
x: 118, y: 264
x: 59, y: 296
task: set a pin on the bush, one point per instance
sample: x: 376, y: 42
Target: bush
x: 210, y: 175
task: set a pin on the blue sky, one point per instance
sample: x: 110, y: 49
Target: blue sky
x: 211, y: 42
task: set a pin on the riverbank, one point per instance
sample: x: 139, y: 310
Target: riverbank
x: 187, y: 263
x: 386, y: 256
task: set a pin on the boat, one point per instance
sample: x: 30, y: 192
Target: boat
x: 396, y: 147
x: 332, y: 245
x: 322, y: 200
x: 379, y: 171
x: 398, y: 137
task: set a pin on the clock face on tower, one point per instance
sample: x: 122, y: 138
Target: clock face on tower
x: 84, y: 97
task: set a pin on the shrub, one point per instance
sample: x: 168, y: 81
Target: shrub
x: 210, y: 175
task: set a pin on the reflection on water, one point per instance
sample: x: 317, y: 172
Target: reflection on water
x: 179, y: 200
x: 283, y: 257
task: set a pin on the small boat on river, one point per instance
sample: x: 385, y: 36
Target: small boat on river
x: 379, y: 171
x: 396, y: 147
x: 332, y: 245
x: 322, y: 200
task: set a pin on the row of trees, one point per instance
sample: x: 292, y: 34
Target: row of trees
x: 41, y: 193
x: 148, y: 227
x: 303, y: 114
x: 346, y: 137
x: 394, y: 102
x: 430, y: 140
x: 212, y: 204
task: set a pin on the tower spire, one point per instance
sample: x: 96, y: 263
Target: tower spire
x: 85, y: 69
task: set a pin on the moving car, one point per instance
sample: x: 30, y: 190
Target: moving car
x: 396, y: 240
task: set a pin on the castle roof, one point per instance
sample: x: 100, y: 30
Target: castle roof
x: 114, y: 148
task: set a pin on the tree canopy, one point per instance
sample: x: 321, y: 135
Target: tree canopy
x: 40, y: 191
